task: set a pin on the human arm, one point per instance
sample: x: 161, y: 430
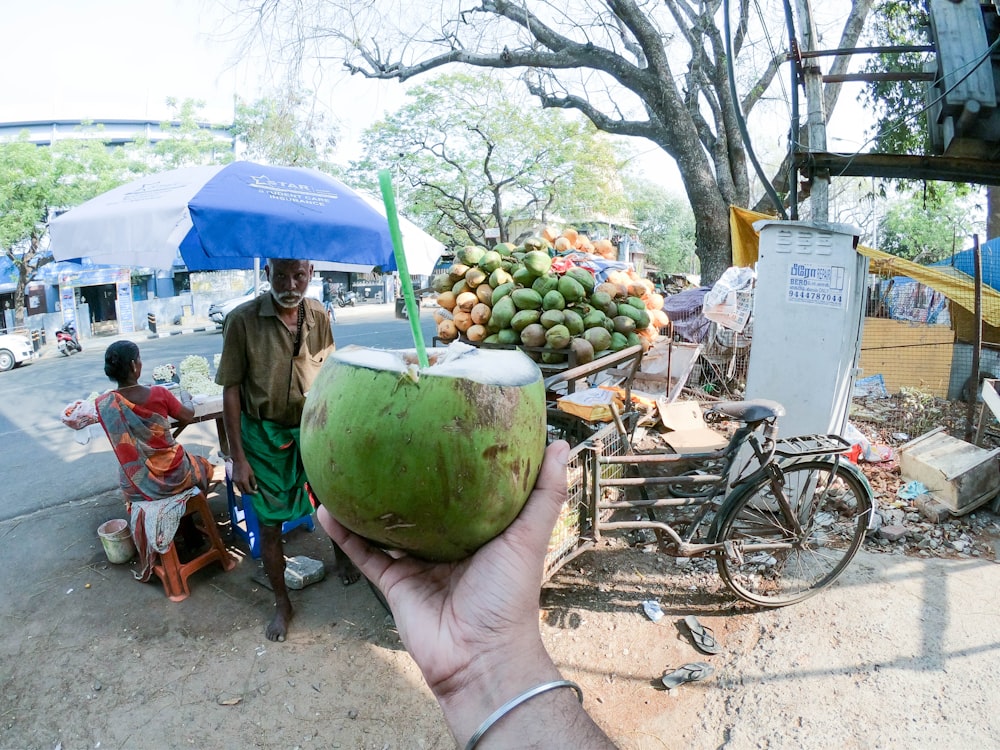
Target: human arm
x: 243, y: 476
x: 230, y: 374
x: 472, y: 626
x: 181, y: 409
x: 185, y: 415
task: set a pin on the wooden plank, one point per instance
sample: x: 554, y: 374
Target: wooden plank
x: 956, y: 473
x: 991, y: 396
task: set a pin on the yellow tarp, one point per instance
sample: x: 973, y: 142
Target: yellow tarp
x: 953, y: 284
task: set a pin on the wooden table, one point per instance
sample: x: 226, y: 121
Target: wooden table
x: 206, y: 408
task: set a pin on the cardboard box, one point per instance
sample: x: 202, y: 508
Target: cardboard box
x: 688, y: 431
x: 665, y: 368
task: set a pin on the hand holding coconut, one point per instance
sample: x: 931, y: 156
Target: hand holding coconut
x: 464, y: 435
x: 472, y: 625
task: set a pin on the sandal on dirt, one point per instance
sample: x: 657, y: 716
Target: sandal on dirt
x: 694, y: 672
x: 701, y: 636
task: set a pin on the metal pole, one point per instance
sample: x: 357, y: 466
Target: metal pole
x: 793, y: 176
x: 977, y: 340
x: 819, y: 200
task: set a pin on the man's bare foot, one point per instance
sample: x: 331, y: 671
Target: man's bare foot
x: 347, y: 572
x: 343, y: 567
x: 277, y: 629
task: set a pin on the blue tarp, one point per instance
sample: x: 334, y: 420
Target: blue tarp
x: 990, y: 255
x: 8, y: 275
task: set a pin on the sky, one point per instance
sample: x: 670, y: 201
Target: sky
x: 108, y: 58
x: 80, y: 59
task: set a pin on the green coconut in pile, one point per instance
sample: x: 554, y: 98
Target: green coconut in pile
x: 434, y: 461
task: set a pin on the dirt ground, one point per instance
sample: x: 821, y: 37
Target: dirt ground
x: 901, y: 652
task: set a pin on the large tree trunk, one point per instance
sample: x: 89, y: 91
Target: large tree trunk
x: 711, y: 217
x: 992, y: 213
x: 713, y: 242
x: 19, y: 308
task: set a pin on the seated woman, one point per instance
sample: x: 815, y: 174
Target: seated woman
x: 156, y: 474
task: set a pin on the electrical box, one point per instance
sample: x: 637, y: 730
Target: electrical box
x: 962, y: 114
x: 808, y: 310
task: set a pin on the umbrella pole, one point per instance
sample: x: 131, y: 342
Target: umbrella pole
x: 412, y: 311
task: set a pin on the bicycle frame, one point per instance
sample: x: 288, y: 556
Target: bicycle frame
x: 714, y: 492
x: 709, y: 487
x: 775, y: 503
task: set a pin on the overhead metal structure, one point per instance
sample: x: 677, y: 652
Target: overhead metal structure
x: 963, y: 91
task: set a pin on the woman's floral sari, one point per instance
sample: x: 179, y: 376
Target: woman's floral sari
x: 156, y: 474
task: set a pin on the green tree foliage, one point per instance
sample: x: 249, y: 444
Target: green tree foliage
x: 665, y: 225
x: 36, y: 182
x: 901, y: 126
x: 929, y: 228
x: 189, y: 140
x: 924, y: 219
x: 468, y: 155
x: 284, y: 129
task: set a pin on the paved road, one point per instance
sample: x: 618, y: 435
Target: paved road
x: 43, y: 464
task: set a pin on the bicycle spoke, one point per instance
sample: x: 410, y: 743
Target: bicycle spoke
x: 778, y: 566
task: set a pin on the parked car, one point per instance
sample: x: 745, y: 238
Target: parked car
x: 15, y: 350
x: 218, y: 311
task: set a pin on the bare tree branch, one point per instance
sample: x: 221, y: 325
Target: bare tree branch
x: 613, y: 61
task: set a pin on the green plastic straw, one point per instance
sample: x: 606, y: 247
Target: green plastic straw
x: 412, y: 310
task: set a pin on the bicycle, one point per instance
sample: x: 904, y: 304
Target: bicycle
x: 782, y: 522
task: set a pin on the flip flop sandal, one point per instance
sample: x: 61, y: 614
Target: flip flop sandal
x: 694, y: 672
x: 701, y: 636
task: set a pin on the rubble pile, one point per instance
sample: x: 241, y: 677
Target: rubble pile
x: 920, y: 526
x: 892, y: 420
x: 902, y: 525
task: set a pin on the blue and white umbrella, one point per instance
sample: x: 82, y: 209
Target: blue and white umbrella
x: 225, y: 216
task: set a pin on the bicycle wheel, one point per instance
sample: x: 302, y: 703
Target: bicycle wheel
x: 765, y: 562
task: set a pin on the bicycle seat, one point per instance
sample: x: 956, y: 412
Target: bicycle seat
x: 755, y: 410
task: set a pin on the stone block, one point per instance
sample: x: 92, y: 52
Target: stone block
x: 893, y: 533
x: 300, y: 571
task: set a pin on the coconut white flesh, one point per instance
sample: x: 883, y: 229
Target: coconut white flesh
x: 503, y: 367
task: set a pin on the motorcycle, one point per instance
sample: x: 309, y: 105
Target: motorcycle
x: 346, y: 299
x: 66, y: 341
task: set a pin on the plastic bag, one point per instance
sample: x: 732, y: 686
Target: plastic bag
x: 653, y: 610
x: 592, y: 405
x: 79, y: 414
x: 866, y: 451
x: 730, y: 301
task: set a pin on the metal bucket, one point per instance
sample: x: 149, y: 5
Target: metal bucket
x: 117, y: 540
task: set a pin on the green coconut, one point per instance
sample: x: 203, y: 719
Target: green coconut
x: 434, y: 462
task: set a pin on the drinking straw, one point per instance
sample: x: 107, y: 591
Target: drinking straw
x: 412, y: 310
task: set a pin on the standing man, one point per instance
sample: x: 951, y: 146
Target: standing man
x: 273, y: 347
x: 328, y: 300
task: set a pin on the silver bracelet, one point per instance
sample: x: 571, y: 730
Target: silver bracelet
x: 513, y: 703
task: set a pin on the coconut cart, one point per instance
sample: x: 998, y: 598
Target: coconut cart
x: 574, y: 530
x: 663, y: 370
x: 781, y: 516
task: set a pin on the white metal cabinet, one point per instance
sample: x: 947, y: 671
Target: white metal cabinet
x: 808, y: 307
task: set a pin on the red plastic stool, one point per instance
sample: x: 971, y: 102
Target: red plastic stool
x: 173, y: 573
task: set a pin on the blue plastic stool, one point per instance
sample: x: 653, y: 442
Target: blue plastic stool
x: 244, y: 521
